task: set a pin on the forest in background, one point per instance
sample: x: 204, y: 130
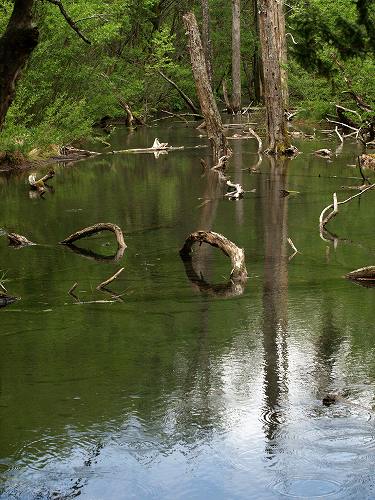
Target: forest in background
x: 68, y: 84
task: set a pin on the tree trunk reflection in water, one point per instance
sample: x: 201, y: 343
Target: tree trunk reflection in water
x: 275, y: 294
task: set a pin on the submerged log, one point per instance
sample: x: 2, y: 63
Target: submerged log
x: 236, y: 254
x: 207, y: 101
x: 17, y: 240
x: 96, y: 228
x: 39, y: 184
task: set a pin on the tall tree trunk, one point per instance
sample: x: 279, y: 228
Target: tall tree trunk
x: 236, y: 55
x: 16, y: 45
x: 214, y: 126
x: 283, y: 54
x: 269, y: 30
x: 206, y: 38
x: 257, y: 63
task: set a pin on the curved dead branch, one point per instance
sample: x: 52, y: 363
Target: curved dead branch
x: 236, y: 254
x: 96, y: 228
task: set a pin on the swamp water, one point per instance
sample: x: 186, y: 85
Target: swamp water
x: 180, y: 389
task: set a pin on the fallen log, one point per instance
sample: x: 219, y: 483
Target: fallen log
x: 363, y: 274
x: 17, y: 240
x: 236, y: 254
x: 96, y: 228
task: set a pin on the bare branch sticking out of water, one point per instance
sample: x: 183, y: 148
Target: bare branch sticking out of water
x: 323, y: 220
x: 109, y: 280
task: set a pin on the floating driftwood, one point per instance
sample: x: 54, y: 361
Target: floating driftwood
x: 324, y: 153
x: 365, y: 274
x: 96, y: 228
x: 17, y: 240
x: 236, y: 254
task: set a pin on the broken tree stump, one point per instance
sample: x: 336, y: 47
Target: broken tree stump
x: 236, y: 254
x: 96, y: 228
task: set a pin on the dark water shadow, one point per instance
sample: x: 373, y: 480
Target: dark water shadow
x: 90, y: 254
x: 222, y: 290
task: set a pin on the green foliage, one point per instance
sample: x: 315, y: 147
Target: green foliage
x: 68, y: 85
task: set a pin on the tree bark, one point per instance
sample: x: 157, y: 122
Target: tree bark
x: 207, y: 102
x: 206, y: 38
x: 270, y: 31
x: 16, y: 45
x: 236, y: 56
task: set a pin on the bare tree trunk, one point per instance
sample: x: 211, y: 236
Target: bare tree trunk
x: 206, y: 38
x: 283, y: 57
x: 257, y: 63
x: 236, y: 55
x: 269, y: 30
x: 207, y: 101
x: 16, y: 45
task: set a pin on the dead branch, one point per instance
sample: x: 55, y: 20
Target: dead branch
x: 186, y: 98
x: 339, y: 135
x: 342, y: 109
x: 236, y: 254
x: 366, y: 274
x: 260, y: 144
x: 360, y: 102
x: 109, y: 280
x: 324, y: 220
x: 71, y: 290
x: 176, y: 115
x: 17, y: 240
x: 39, y: 184
x: 69, y: 20
x: 342, y: 124
x: 221, y: 163
x: 96, y: 228
x: 237, y: 191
